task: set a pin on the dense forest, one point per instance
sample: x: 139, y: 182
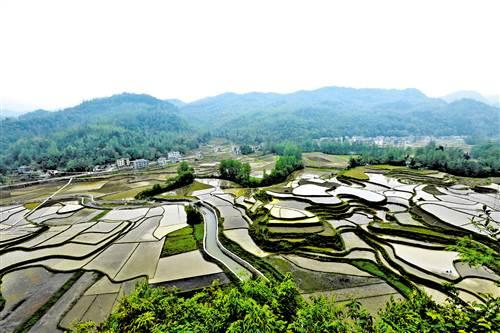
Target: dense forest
x: 96, y: 132
x: 260, y: 306
x: 334, y: 111
x: 140, y: 126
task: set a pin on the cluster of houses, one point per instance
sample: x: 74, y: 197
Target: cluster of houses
x: 141, y: 163
x: 384, y: 141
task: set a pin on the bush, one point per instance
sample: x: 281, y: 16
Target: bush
x: 193, y: 215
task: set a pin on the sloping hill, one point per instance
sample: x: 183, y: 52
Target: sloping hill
x: 336, y: 111
x: 95, y: 132
x: 101, y: 130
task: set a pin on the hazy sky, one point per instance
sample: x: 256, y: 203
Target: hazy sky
x: 56, y: 53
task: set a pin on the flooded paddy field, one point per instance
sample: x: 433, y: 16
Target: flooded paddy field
x: 372, y: 239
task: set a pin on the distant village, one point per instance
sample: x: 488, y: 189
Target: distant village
x: 398, y: 141
x: 124, y: 163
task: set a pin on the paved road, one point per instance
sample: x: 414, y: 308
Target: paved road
x: 215, y: 249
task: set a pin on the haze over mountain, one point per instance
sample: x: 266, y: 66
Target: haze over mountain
x: 138, y: 125
x: 470, y: 94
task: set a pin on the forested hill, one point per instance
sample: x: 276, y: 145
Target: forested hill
x: 336, y: 111
x: 100, y: 130
x: 95, y: 132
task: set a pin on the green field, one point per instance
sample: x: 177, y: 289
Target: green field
x: 356, y: 173
x: 183, y: 240
x: 322, y: 160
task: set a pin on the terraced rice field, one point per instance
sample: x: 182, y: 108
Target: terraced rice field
x: 370, y: 234
x: 121, y: 245
x: 394, y: 222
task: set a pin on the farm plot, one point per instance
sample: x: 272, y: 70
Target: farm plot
x: 183, y: 266
x: 243, y: 239
x: 324, y: 266
x: 362, y: 194
x: 437, y: 262
x: 479, y: 286
x: 25, y: 291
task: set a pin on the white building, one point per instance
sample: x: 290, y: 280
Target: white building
x: 162, y: 161
x: 23, y: 169
x: 174, y: 156
x: 122, y: 162
x: 236, y: 150
x: 140, y: 163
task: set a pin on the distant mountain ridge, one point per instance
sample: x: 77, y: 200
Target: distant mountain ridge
x: 139, y: 125
x: 335, y: 111
x: 474, y: 95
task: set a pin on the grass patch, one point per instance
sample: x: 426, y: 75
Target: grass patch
x: 383, y: 273
x: 399, y: 230
x: 31, y: 205
x: 199, y: 232
x: 130, y: 194
x: 99, y: 216
x: 431, y: 189
x: 322, y: 160
x: 183, y: 240
x: 189, y: 189
x: 308, y: 281
x: 356, y: 173
x: 27, y: 325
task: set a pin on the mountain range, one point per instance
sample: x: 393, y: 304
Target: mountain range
x: 139, y: 125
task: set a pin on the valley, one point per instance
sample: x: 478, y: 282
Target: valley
x: 370, y: 233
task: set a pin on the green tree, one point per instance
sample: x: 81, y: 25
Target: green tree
x: 193, y: 215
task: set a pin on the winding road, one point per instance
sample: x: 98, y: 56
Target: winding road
x: 216, y: 250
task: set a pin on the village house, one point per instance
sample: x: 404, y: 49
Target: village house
x: 174, y: 156
x: 122, y: 162
x: 140, y: 163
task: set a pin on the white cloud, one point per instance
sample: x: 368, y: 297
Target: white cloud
x: 56, y: 53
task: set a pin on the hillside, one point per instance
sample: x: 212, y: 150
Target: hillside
x: 336, y: 111
x: 95, y: 132
x: 101, y: 130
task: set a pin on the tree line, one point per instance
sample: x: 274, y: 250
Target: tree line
x: 289, y: 159
x: 481, y: 161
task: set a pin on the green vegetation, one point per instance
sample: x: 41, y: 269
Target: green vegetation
x: 289, y: 159
x: 96, y: 132
x: 183, y: 240
x: 194, y: 186
x: 380, y: 271
x: 193, y: 215
x: 185, y: 176
x: 131, y: 193
x: 481, y: 162
x: 31, y: 205
x: 246, y: 149
x: 140, y: 126
x: 236, y: 171
x: 100, y: 215
x: 356, y: 173
x: 476, y: 254
x: 260, y: 306
x: 334, y: 112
